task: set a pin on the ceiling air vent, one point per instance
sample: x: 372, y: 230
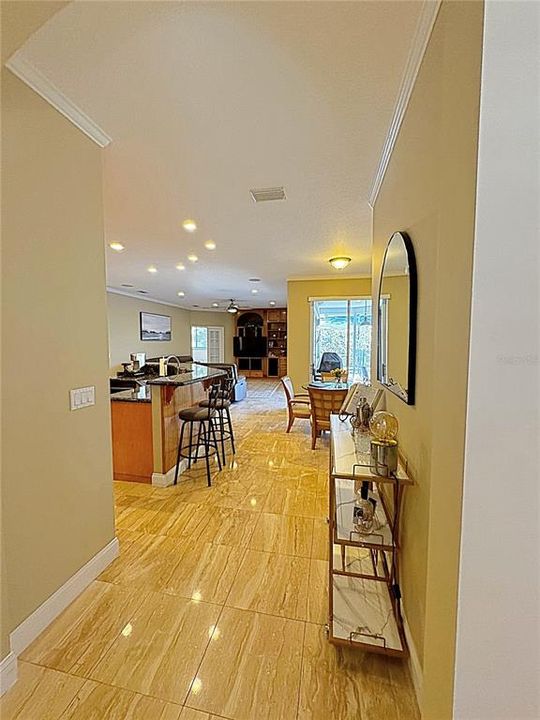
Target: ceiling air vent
x: 266, y: 194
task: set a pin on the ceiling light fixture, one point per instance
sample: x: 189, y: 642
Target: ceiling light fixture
x: 180, y: 266
x: 117, y: 247
x: 254, y: 291
x: 232, y: 307
x: 189, y: 225
x: 340, y: 262
x: 127, y: 285
x: 210, y: 245
x: 152, y: 269
x: 192, y: 258
x: 272, y: 303
x: 215, y: 304
x: 181, y: 293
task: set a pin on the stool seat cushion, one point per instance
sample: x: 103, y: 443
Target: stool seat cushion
x: 195, y: 413
x: 221, y: 403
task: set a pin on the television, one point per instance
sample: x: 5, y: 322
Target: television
x: 250, y: 346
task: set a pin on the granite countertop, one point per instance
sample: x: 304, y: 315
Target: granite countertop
x: 139, y: 394
x: 189, y: 374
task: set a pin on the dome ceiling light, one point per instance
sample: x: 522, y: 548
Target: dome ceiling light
x: 340, y: 262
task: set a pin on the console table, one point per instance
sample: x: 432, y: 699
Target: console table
x: 364, y: 592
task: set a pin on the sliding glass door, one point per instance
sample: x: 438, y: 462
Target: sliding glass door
x: 343, y: 326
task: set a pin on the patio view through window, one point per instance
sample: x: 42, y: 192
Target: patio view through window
x: 343, y: 326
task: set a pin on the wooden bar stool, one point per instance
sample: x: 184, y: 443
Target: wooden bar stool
x: 222, y: 422
x: 204, y: 418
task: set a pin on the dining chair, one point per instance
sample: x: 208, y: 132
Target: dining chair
x: 297, y: 405
x: 324, y: 402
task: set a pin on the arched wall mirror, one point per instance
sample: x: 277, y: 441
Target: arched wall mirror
x: 396, y: 340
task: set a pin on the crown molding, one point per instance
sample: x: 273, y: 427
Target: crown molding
x: 422, y: 33
x: 145, y: 298
x: 30, y: 75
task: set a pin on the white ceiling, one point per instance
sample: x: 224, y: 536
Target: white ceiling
x: 204, y: 101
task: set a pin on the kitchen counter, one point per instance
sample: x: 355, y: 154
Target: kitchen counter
x: 145, y: 424
x: 139, y: 394
x: 189, y: 374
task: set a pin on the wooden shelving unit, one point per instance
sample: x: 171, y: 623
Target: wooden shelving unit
x: 364, y: 592
x: 275, y: 330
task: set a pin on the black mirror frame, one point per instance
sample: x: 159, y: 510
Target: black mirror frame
x: 413, y: 300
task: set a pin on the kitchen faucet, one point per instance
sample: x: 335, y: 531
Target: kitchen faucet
x: 173, y: 357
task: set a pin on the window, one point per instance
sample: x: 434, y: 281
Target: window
x: 207, y: 344
x: 343, y: 326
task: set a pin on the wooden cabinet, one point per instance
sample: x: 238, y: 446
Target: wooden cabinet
x: 274, y: 329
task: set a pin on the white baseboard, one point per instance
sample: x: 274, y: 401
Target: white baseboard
x: 166, y: 479
x: 29, y: 629
x: 414, y: 664
x: 8, y: 672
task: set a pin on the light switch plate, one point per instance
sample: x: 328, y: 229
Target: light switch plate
x: 82, y: 397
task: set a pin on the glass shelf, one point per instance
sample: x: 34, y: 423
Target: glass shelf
x: 345, y: 531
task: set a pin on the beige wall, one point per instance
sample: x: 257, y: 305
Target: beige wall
x: 299, y: 318
x: 429, y: 191
x: 124, y: 333
x: 57, y: 509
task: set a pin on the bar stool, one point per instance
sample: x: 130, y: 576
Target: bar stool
x: 223, y: 423
x: 206, y: 433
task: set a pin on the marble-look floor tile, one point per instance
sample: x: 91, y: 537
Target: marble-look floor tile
x: 161, y: 652
x: 39, y: 694
x: 319, y: 547
x: 284, y: 534
x: 347, y: 684
x: 83, y: 632
x: 252, y: 669
x: 146, y: 563
x: 224, y: 526
x: 272, y: 584
x: 203, y: 570
x: 317, y: 598
x: 190, y: 714
x: 96, y: 701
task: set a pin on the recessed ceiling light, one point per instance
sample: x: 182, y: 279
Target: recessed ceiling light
x: 152, y: 269
x: 210, y: 245
x: 192, y: 258
x: 340, y: 262
x: 116, y: 246
x: 143, y: 292
x: 272, y: 302
x: 254, y: 279
x: 126, y: 285
x: 181, y: 293
x: 189, y: 225
x: 215, y: 304
x: 180, y: 266
x: 254, y: 291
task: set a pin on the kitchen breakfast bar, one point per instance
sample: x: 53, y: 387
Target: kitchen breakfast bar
x: 145, y: 424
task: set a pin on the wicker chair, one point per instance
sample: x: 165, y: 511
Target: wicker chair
x: 297, y: 405
x: 323, y: 403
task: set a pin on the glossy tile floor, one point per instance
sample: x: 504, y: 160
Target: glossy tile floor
x: 217, y: 603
